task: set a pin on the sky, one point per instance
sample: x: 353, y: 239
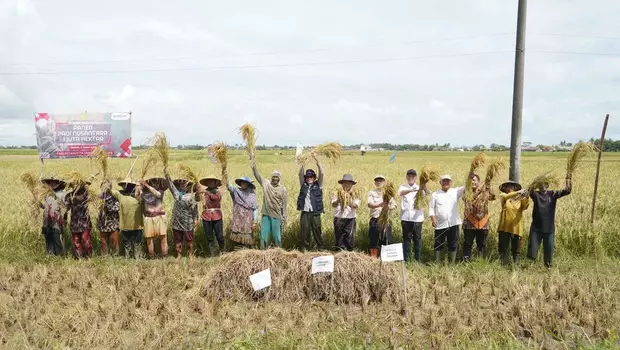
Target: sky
x: 397, y: 71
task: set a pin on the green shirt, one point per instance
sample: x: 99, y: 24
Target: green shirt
x: 131, y: 212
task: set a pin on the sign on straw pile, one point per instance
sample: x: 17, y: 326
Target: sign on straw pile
x: 427, y: 174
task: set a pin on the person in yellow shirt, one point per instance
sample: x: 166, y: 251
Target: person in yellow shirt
x: 510, y: 230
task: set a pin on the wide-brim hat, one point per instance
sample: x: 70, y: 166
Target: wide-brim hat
x: 54, y: 183
x: 159, y: 183
x: 516, y: 185
x: 246, y: 180
x: 184, y: 184
x: 204, y: 180
x: 127, y: 182
x: 379, y: 177
x: 310, y: 173
x: 347, y: 178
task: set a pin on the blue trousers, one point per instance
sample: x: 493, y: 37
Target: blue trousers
x: 270, y: 226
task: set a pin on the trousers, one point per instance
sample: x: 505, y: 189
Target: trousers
x: 53, y: 241
x: 310, y: 223
x: 132, y: 242
x: 507, y: 239
x: 480, y: 236
x: 270, y: 227
x: 214, y: 230
x: 412, y: 231
x: 82, y: 246
x: 344, y: 230
x: 548, y: 242
x: 376, y: 235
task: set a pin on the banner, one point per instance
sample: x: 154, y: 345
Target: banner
x: 75, y: 136
x: 322, y: 264
x: 392, y: 252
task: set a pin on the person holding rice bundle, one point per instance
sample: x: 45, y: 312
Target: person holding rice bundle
x: 411, y: 218
x: 245, y: 212
x: 53, y: 217
x: 345, y: 201
x: 444, y: 213
x: 510, y: 230
x: 377, y: 234
x: 212, y: 213
x: 184, y: 214
x: 542, y: 229
x: 151, y: 194
x: 108, y: 221
x: 80, y: 224
x: 476, y: 222
x: 131, y: 219
x: 274, y: 206
x: 310, y: 204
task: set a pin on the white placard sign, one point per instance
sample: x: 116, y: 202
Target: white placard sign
x: 300, y: 150
x: 323, y: 264
x: 261, y: 280
x: 392, y: 252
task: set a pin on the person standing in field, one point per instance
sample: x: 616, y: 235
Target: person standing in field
x: 510, y: 229
x: 108, y: 221
x: 543, y: 220
x: 275, y: 200
x: 184, y: 214
x: 377, y: 234
x: 212, y: 213
x: 445, y: 217
x: 245, y: 212
x: 476, y: 222
x: 310, y: 204
x: 131, y: 219
x: 151, y: 193
x: 53, y: 216
x: 411, y: 219
x: 80, y: 224
x: 345, y: 201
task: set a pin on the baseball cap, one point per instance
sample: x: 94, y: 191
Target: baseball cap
x: 379, y: 177
x: 445, y: 177
x: 412, y: 172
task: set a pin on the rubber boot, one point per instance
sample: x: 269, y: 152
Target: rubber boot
x: 437, y: 256
x: 516, y: 259
x: 212, y: 248
x: 374, y: 252
x: 452, y: 257
x: 505, y: 259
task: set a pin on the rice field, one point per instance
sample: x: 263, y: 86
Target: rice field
x: 112, y: 303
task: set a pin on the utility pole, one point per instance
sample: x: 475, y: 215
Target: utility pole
x: 517, y: 95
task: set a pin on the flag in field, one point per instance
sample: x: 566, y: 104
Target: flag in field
x: 393, y: 157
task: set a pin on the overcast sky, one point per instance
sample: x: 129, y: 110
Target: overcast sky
x: 430, y: 71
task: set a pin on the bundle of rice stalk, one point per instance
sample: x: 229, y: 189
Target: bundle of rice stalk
x: 30, y: 181
x: 389, y: 193
x: 74, y: 180
x: 545, y: 180
x: 188, y: 173
x: 161, y: 147
x: 36, y: 189
x: 427, y: 174
x: 478, y: 162
x: 579, y: 151
x: 101, y: 159
x: 330, y: 150
x: 345, y: 198
x: 149, y: 160
x: 493, y: 170
x: 248, y: 133
x: 220, y: 153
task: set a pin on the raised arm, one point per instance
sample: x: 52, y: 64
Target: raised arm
x: 152, y: 189
x: 568, y: 187
x: 321, y: 171
x: 284, y: 203
x: 301, y: 175
x: 259, y: 179
x: 175, y: 192
x: 460, y: 191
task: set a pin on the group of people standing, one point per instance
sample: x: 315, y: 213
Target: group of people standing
x: 136, y: 212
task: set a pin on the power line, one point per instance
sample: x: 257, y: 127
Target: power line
x: 575, y: 53
x: 577, y: 36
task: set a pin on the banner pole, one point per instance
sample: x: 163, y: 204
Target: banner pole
x: 132, y: 164
x: 405, y: 312
x: 42, y: 169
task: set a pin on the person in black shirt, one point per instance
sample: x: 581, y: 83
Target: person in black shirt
x: 543, y: 220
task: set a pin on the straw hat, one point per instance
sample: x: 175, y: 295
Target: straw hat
x: 204, y: 180
x: 184, y: 184
x: 127, y: 181
x: 246, y: 180
x: 516, y: 185
x: 54, y: 184
x: 347, y: 178
x: 159, y: 183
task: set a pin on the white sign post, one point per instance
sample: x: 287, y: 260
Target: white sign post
x: 261, y: 280
x: 394, y: 252
x: 323, y: 264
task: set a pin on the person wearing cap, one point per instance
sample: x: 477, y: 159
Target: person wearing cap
x: 53, y: 206
x: 476, y: 221
x: 151, y: 194
x: 80, y: 224
x: 131, y: 220
x: 444, y: 213
x: 211, y: 215
x: 378, y: 235
x: 510, y: 229
x: 245, y: 212
x: 275, y: 199
x: 108, y: 221
x: 184, y: 214
x: 310, y: 204
x: 542, y: 229
x: 411, y: 219
x: 345, y: 201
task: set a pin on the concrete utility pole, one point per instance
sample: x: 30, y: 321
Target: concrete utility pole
x: 517, y: 95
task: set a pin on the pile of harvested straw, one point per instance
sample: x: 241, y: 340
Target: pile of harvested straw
x: 330, y: 150
x: 389, y: 193
x: 101, y: 159
x: 579, y: 151
x: 248, y: 133
x: 478, y: 162
x: 220, y: 153
x: 545, y: 180
x: 427, y: 174
x: 357, y: 278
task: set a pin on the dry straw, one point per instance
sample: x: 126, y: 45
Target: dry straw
x: 38, y: 191
x: 149, y: 160
x: 478, y: 162
x: 545, y: 180
x: 579, y: 151
x: 161, y: 147
x: 101, y: 159
x: 345, y: 198
x: 427, y: 174
x: 493, y: 170
x: 187, y: 173
x: 389, y: 193
x: 330, y: 150
x: 219, y: 151
x: 357, y: 278
x: 248, y: 133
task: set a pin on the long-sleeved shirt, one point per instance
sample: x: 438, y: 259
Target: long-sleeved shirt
x: 444, y: 206
x: 231, y: 190
x: 543, y: 215
x: 511, y: 217
x: 347, y: 212
x: 477, y: 210
x: 302, y: 180
x: 152, y: 201
x: 407, y: 211
x: 185, y: 211
x: 77, y: 204
x: 52, y: 206
x: 131, y: 212
x: 375, y: 197
x: 275, y: 198
x: 212, y: 206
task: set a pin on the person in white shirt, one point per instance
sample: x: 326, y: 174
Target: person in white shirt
x: 411, y: 219
x: 345, y: 201
x: 445, y: 216
x: 378, y: 235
